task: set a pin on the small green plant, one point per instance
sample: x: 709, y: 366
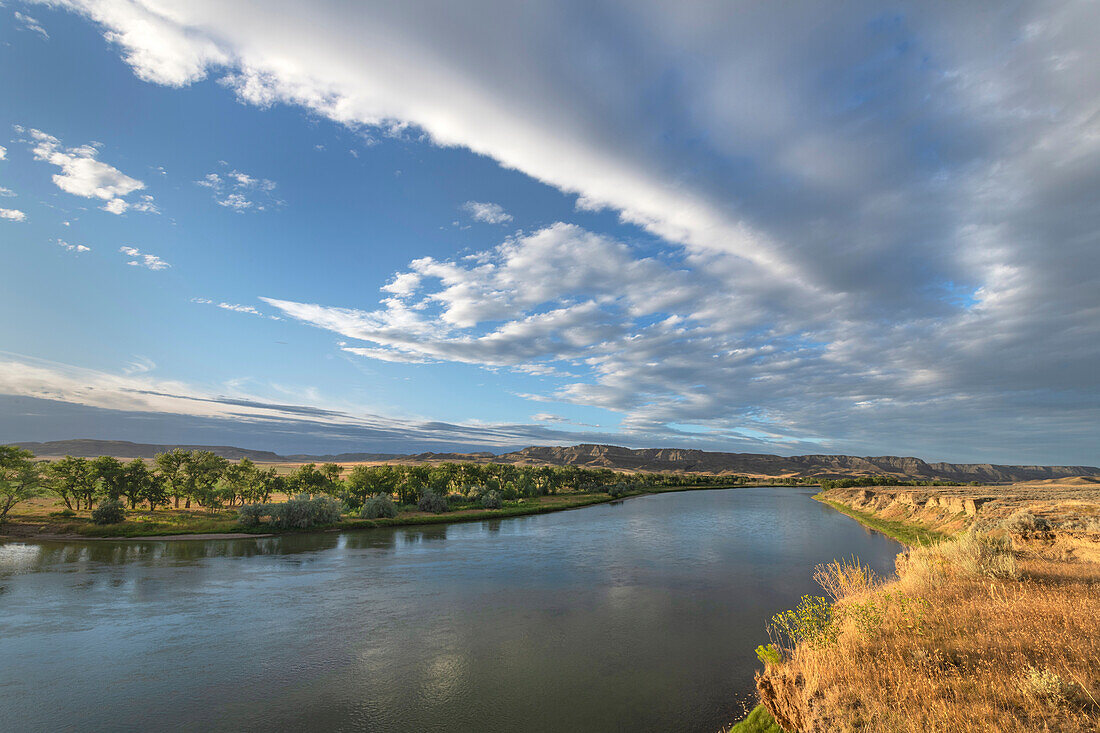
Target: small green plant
x: 769, y: 654
x: 1046, y: 685
x: 811, y: 622
x: 109, y: 511
x: 63, y: 513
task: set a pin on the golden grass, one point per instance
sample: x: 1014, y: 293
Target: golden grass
x: 969, y: 637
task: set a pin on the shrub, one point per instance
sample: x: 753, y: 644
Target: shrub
x: 972, y: 554
x: 617, y: 491
x: 455, y: 499
x: 432, y: 502
x: 63, y: 513
x: 379, y: 506
x: 1046, y: 685
x: 492, y: 500
x: 304, y: 513
x: 811, y: 622
x: 249, y: 514
x: 1024, y: 522
x: 109, y: 511
x: 769, y: 654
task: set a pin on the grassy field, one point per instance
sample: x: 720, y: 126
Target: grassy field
x: 991, y: 629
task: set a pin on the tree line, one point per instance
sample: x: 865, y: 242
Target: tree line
x: 182, y: 477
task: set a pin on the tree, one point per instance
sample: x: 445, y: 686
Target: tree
x: 71, y: 479
x: 156, y: 491
x: 170, y: 468
x: 308, y: 480
x: 135, y: 482
x: 20, y: 477
x: 243, y: 481
x: 108, y: 475
x: 201, y: 472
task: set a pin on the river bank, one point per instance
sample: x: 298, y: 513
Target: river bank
x: 989, y: 629
x: 181, y: 524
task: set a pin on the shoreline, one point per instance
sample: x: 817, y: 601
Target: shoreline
x: 352, y: 524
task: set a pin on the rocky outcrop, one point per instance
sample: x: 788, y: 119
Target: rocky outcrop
x: 762, y: 464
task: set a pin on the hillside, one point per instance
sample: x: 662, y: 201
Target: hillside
x: 825, y: 466
x: 125, y: 449
x: 624, y: 459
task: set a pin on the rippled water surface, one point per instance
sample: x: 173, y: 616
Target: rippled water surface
x: 639, y: 615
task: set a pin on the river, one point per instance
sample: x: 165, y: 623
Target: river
x: 639, y: 615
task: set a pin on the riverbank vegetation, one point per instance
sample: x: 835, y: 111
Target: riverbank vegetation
x: 993, y: 628
x: 184, y: 492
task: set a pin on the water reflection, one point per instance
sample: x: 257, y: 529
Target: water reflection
x: 638, y: 615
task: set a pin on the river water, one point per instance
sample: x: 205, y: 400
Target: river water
x: 640, y: 615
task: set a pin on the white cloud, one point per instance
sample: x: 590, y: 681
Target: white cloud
x: 77, y: 248
x: 141, y: 259
x: 548, y: 417
x: 239, y: 191
x: 12, y: 215
x: 487, y: 212
x: 82, y: 174
x: 6, y: 192
x: 135, y: 390
x: 3, y: 152
x: 895, y: 211
x: 238, y: 308
x: 139, y: 365
x: 28, y: 23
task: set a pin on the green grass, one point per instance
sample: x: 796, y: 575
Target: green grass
x: 907, y: 533
x: 758, y: 721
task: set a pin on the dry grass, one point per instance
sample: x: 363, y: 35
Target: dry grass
x: 969, y: 637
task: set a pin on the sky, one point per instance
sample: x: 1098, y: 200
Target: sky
x: 786, y: 228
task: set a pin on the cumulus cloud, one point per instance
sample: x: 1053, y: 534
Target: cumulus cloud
x: 3, y: 152
x: 77, y: 248
x: 82, y: 174
x: 487, y: 212
x: 142, y: 259
x: 240, y: 192
x: 894, y: 213
x: 12, y: 215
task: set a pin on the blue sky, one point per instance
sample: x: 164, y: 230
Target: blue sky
x: 343, y: 227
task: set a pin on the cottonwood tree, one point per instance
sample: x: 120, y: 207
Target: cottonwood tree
x: 108, y: 473
x: 201, y: 472
x: 170, y: 467
x: 20, y: 477
x: 72, y: 480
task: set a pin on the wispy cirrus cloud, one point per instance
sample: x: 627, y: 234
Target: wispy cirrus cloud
x: 27, y: 23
